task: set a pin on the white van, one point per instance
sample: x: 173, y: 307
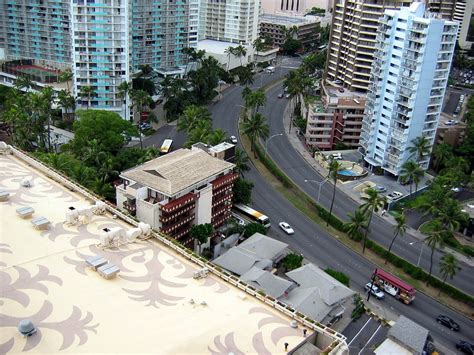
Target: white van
x: 270, y: 70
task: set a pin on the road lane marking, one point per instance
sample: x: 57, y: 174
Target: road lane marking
x: 368, y: 341
x: 361, y: 329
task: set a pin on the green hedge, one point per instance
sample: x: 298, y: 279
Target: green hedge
x: 339, y: 276
x: 410, y: 269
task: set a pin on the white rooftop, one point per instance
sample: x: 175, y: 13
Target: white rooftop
x: 147, y: 308
x: 215, y: 47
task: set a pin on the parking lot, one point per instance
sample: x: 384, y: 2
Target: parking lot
x: 365, y: 335
x: 352, y: 188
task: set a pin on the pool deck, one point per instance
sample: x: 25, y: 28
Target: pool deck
x: 153, y: 306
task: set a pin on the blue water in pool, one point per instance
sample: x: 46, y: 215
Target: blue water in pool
x: 347, y: 173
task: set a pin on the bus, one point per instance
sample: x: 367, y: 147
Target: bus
x: 166, y: 146
x: 252, y: 215
x: 394, y: 286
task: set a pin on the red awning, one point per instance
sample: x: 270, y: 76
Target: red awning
x: 395, y: 281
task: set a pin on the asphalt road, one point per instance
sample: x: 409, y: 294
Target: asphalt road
x: 309, y: 238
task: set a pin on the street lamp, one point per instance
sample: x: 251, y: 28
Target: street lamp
x: 421, y: 250
x: 266, y: 142
x: 320, y: 183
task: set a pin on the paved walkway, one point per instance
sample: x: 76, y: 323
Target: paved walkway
x: 299, y: 146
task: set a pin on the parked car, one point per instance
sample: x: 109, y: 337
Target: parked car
x: 465, y: 347
x: 337, y: 82
x: 233, y: 139
x: 335, y: 156
x: 144, y: 126
x: 380, y: 189
x: 447, y: 322
x: 375, y: 291
x: 287, y: 96
x: 286, y: 228
x: 456, y: 189
x: 394, y: 195
x: 281, y: 95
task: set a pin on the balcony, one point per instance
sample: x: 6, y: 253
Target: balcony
x: 130, y: 206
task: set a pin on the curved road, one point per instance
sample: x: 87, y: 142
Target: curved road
x: 310, y: 239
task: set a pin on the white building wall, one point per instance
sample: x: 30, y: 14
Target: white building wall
x: 204, y: 206
x: 409, y: 77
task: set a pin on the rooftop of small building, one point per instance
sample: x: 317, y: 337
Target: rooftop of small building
x: 288, y: 20
x: 172, y: 173
x: 153, y: 305
x: 214, y: 46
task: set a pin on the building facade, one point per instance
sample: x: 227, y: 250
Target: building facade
x: 299, y: 7
x: 352, y: 41
x: 409, y: 78
x: 303, y: 28
x: 337, y: 118
x: 233, y: 21
x: 36, y: 29
x: 103, y: 42
x: 178, y: 190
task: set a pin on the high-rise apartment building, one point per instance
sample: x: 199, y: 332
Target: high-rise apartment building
x: 36, y: 29
x: 409, y: 78
x: 300, y: 7
x: 233, y: 21
x: 102, y: 41
x: 464, y: 15
x: 100, y: 37
x: 352, y: 40
x: 444, y: 8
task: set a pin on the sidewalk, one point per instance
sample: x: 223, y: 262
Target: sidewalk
x: 301, y: 149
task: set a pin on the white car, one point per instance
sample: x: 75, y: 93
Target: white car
x: 395, y: 195
x: 286, y: 227
x: 233, y: 139
x: 375, y: 291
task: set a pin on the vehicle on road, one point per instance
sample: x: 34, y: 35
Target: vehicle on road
x: 394, y: 286
x: 286, y: 228
x: 375, y: 291
x: 380, y: 189
x: 281, y: 95
x: 287, y: 96
x: 270, y: 70
x: 456, y: 189
x: 144, y: 126
x: 394, y: 195
x: 252, y: 215
x: 166, y: 146
x: 233, y: 139
x: 447, y: 322
x: 335, y: 156
x: 465, y: 347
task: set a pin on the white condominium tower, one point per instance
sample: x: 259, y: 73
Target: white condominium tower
x: 233, y: 21
x: 409, y: 77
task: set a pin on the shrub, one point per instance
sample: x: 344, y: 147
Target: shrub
x: 339, y: 276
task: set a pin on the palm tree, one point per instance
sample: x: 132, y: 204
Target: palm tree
x: 420, y: 147
x: 358, y: 222
x: 216, y: 137
x: 66, y: 101
x: 229, y: 51
x: 200, y: 133
x: 258, y: 45
x: 241, y: 160
x: 334, y: 167
x: 140, y: 99
x: 47, y: 98
x: 412, y: 173
x: 149, y: 154
x: 441, y: 154
x: 191, y: 115
x: 399, y: 229
x: 145, y: 70
x: 246, y: 75
x: 23, y: 81
x: 240, y: 51
x: 255, y: 128
x: 123, y: 90
x: 373, y: 202
x: 258, y: 98
x: 435, y: 238
x: 87, y: 92
x: 448, y: 266
x: 450, y: 214
x: 81, y: 174
x: 66, y: 77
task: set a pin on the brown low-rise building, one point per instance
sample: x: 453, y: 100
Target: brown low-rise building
x: 175, y: 191
x: 336, y: 117
x: 450, y: 131
x: 276, y: 27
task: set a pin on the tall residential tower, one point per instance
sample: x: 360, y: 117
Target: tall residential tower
x: 409, y: 78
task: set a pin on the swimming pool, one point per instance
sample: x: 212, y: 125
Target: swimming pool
x: 347, y: 173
